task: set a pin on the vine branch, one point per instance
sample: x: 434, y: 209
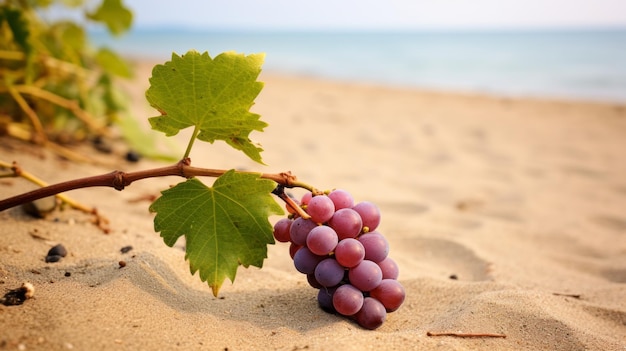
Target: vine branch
x: 119, y: 180
x: 100, y: 221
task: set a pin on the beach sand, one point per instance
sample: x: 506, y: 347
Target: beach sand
x: 505, y: 216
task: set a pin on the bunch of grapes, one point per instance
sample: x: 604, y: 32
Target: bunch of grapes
x: 344, y: 256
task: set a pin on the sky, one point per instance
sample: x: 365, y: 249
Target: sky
x: 378, y: 14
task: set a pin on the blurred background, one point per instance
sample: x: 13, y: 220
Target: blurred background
x: 574, y: 49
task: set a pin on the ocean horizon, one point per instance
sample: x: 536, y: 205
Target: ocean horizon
x: 579, y: 64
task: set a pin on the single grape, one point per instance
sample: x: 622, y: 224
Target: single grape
x: 322, y: 240
x: 389, y: 268
x: 376, y: 246
x: 390, y: 293
x: 370, y: 214
x: 347, y: 300
x: 341, y: 199
x: 305, y: 261
x: 349, y: 252
x: 312, y: 281
x: 372, y: 315
x: 328, y: 272
x: 365, y: 276
x: 306, y: 198
x: 325, y: 299
x: 293, y: 248
x: 320, y: 208
x: 281, y: 230
x: 299, y: 230
x: 346, y: 222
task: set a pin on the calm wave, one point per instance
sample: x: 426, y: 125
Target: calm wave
x: 587, y: 65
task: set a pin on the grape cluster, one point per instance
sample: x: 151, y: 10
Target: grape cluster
x: 344, y: 256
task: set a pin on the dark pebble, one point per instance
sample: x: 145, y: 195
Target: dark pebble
x: 125, y: 249
x: 58, y: 250
x: 133, y: 156
x: 17, y: 296
x: 102, y: 145
x: 68, y: 274
x: 53, y: 258
x: 453, y: 277
x: 122, y: 264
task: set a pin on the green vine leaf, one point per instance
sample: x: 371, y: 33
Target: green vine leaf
x: 19, y: 27
x: 224, y: 226
x: 113, y: 63
x: 114, y: 15
x: 213, y: 95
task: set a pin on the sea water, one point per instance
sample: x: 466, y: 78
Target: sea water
x: 571, y: 64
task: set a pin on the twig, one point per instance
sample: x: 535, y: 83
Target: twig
x: 16, y: 131
x: 119, y: 180
x: 71, y: 105
x: 32, y: 115
x: 466, y: 335
x: 575, y: 296
x: 100, y: 221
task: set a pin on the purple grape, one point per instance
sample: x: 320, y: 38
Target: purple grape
x: 281, y: 230
x: 389, y: 268
x: 372, y: 315
x: 390, y: 293
x: 349, y: 252
x: 328, y: 272
x: 365, y: 276
x: 347, y: 300
x: 306, y: 198
x: 325, y: 299
x: 322, y: 240
x: 341, y: 199
x: 305, y: 261
x: 293, y: 248
x: 376, y: 246
x: 370, y: 214
x: 299, y: 230
x: 346, y: 222
x: 320, y: 208
x: 313, y: 282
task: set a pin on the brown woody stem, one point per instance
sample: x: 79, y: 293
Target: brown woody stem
x: 119, y: 180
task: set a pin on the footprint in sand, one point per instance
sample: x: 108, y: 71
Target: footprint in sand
x: 610, y: 222
x: 439, y: 258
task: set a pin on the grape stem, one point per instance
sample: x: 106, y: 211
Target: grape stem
x: 119, y: 180
x: 280, y: 192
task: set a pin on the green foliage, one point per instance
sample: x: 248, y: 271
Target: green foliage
x: 113, y: 13
x: 212, y: 95
x: 54, y: 86
x: 224, y: 226
x: 18, y: 26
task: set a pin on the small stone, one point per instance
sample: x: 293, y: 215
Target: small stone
x: 68, y: 274
x: 41, y: 207
x: 102, y: 145
x: 18, y: 296
x: 126, y: 249
x: 53, y: 258
x: 133, y: 156
x: 58, y: 250
x: 453, y: 277
x: 122, y: 264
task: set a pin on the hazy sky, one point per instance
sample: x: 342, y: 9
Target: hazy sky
x: 381, y: 14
